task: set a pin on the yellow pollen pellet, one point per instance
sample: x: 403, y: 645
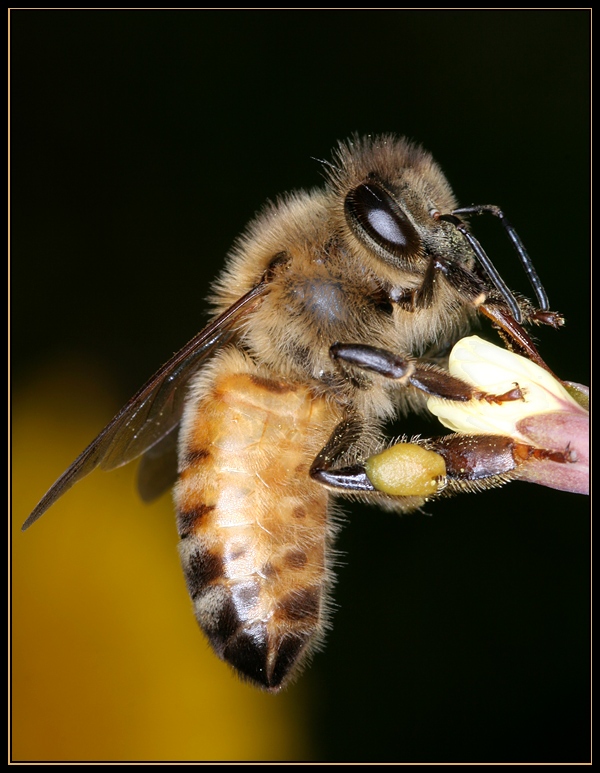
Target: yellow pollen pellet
x: 406, y: 470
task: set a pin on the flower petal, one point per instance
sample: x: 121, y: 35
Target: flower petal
x: 559, y: 431
x: 496, y: 370
x: 550, y: 417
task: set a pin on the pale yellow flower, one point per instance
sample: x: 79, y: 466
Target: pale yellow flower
x: 547, y: 417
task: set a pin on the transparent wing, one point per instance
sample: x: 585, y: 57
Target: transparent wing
x: 157, y: 470
x: 154, y: 411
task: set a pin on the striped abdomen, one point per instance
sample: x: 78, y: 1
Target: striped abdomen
x: 254, y: 527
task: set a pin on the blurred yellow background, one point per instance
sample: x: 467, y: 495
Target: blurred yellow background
x: 108, y: 661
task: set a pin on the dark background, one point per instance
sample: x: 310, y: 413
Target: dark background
x: 141, y: 144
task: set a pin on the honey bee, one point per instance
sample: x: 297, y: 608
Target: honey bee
x: 334, y: 314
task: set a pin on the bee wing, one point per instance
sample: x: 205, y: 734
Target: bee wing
x: 154, y: 411
x: 157, y: 470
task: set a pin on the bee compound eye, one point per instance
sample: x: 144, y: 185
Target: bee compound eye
x: 375, y: 217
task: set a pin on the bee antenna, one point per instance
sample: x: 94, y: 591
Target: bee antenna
x: 534, y: 280
x: 487, y: 265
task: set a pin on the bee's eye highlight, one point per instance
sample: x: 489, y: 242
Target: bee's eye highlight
x: 375, y: 217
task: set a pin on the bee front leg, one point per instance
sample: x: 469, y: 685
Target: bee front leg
x: 507, y: 315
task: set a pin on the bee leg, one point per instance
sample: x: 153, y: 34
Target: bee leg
x: 427, y: 378
x: 505, y: 316
x: 352, y: 478
x: 481, y: 457
x: 513, y: 333
x: 470, y: 463
x: 470, y: 286
x: 407, y: 474
x: 422, y: 470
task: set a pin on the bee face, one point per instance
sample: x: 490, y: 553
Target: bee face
x: 334, y: 313
x: 389, y: 191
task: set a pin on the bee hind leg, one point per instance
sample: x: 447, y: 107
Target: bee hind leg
x: 349, y: 478
x: 408, y: 474
x: 413, y: 472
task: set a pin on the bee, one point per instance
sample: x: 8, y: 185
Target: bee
x: 334, y: 314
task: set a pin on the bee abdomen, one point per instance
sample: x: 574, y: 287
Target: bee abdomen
x: 250, y: 621
x: 255, y: 528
